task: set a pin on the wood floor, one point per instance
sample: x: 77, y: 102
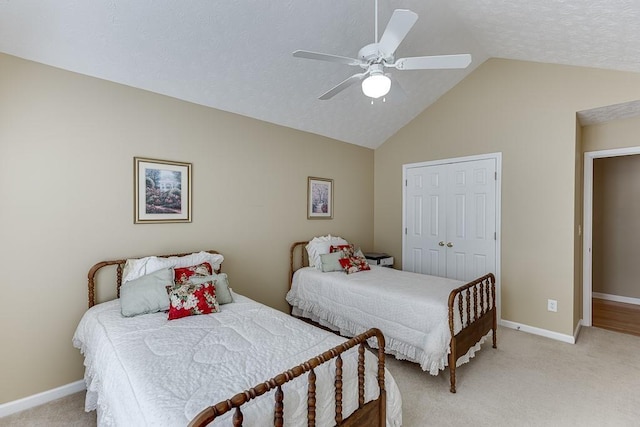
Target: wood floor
x: 616, y: 316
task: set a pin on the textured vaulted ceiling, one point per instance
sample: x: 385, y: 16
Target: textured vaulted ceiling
x: 236, y: 55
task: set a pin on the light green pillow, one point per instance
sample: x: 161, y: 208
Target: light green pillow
x: 220, y: 281
x: 146, y: 294
x: 331, y: 261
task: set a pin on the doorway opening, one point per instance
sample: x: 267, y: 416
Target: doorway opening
x: 588, y: 262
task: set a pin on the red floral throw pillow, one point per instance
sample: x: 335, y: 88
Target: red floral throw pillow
x: 347, y: 250
x: 189, y: 300
x: 354, y: 264
x: 181, y: 275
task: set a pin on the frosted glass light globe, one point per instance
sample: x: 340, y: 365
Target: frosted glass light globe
x: 376, y: 85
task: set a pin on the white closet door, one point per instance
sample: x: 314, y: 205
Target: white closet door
x: 471, y: 219
x: 426, y: 192
x: 451, y: 219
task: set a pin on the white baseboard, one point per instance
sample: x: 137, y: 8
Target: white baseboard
x: 40, y: 398
x: 576, y: 332
x: 538, y: 331
x: 616, y: 298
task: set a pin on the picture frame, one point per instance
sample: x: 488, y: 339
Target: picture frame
x: 162, y: 191
x: 319, y: 198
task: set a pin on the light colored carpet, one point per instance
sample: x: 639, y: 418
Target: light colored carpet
x: 68, y: 411
x: 531, y: 381
x: 527, y: 381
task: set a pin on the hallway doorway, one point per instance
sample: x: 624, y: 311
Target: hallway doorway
x: 610, y: 299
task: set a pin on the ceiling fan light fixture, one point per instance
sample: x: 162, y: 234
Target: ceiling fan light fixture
x: 376, y: 85
x: 375, y: 57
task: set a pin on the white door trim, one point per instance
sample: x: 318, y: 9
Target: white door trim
x: 498, y: 159
x: 587, y: 236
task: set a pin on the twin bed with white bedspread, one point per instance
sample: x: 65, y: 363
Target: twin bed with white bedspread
x: 148, y: 371
x: 433, y: 321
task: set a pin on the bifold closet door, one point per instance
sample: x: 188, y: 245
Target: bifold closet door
x: 451, y: 219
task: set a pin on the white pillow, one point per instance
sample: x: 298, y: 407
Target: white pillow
x: 147, y: 265
x: 134, y: 268
x: 156, y: 263
x: 319, y: 246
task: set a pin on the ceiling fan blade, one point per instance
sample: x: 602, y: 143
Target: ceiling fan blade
x: 437, y: 62
x: 342, y: 86
x: 326, y: 57
x: 397, y: 29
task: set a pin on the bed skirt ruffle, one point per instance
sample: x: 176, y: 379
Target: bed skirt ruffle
x: 432, y: 363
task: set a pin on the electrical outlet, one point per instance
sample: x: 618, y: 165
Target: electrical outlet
x: 552, y: 305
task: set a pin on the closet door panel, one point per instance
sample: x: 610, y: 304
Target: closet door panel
x: 425, y: 222
x: 471, y: 219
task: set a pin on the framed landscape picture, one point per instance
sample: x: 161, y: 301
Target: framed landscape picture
x: 319, y: 198
x: 162, y: 191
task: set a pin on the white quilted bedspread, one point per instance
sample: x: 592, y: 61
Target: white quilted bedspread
x: 148, y: 371
x: 410, y: 309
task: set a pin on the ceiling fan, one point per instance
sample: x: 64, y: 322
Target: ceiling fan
x: 375, y: 57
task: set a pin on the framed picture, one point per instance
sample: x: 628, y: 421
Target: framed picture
x: 162, y: 191
x: 319, y: 198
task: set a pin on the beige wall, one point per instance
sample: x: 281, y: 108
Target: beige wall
x: 67, y: 144
x: 622, y: 133
x: 527, y: 111
x: 616, y: 229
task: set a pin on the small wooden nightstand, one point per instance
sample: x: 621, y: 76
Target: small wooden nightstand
x: 377, y: 258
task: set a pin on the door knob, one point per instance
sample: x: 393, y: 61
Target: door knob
x: 441, y: 243
x: 449, y: 245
